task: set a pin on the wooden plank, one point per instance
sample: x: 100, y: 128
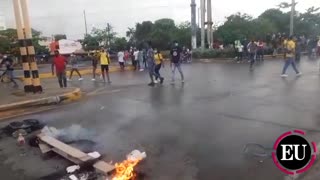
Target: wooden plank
x: 71, y: 151
x: 44, y: 148
x: 70, y: 158
x: 103, y: 167
x: 74, y: 155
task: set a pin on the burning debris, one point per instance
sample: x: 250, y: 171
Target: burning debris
x: 125, y: 169
x: 87, y: 164
x: 72, y: 169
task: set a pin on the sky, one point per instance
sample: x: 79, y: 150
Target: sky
x: 66, y: 16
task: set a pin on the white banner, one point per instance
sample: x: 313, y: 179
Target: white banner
x: 69, y: 46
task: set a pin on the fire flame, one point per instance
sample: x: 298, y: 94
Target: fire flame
x: 125, y: 170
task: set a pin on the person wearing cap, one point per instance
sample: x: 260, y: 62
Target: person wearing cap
x: 290, y: 47
x: 74, y: 67
x: 60, y: 63
x: 176, y: 62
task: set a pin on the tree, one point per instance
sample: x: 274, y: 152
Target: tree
x: 308, y: 23
x: 36, y: 37
x: 183, y: 34
x: 119, y: 44
x: 9, y: 42
x: 143, y: 31
x: 237, y: 26
x: 58, y: 37
x: 163, y: 33
x: 278, y: 18
x: 104, y: 36
x: 131, y: 35
x: 90, y: 43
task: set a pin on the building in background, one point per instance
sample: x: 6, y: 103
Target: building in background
x: 2, y: 23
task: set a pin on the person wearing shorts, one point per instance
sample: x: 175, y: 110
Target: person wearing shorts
x: 74, y: 67
x: 94, y: 59
x: 121, y: 60
x: 104, y: 62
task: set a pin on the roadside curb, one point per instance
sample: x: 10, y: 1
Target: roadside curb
x: 82, y: 72
x: 232, y: 60
x: 67, y: 97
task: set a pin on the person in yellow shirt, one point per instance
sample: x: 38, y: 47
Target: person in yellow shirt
x: 104, y: 62
x: 284, y: 45
x: 158, y: 58
x: 290, y: 47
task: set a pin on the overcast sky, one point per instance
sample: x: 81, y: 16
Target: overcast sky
x: 66, y: 16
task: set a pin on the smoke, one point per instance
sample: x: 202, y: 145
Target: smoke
x: 75, y: 135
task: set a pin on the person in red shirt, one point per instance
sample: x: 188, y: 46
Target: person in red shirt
x: 60, y: 63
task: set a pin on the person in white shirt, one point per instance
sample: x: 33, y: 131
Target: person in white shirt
x: 121, y: 59
x: 240, y: 52
x: 135, y: 54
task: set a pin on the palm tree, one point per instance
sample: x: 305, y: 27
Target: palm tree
x: 131, y: 35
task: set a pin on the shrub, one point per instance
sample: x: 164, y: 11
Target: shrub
x: 214, y: 53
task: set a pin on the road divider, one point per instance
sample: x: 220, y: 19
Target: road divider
x: 74, y: 95
x: 82, y: 72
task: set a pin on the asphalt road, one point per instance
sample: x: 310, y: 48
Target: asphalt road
x: 190, y: 131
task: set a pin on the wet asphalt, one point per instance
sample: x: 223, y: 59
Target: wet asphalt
x: 196, y: 130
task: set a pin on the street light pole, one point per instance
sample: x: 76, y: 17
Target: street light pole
x: 209, y: 23
x: 203, y: 14
x: 293, y: 5
x: 85, y: 21
x: 193, y: 25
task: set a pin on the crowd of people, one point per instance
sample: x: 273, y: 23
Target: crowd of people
x: 152, y: 60
x: 149, y: 58
x: 275, y: 44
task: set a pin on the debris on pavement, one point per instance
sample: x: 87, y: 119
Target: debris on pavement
x: 72, y: 169
x: 71, y: 153
x: 18, y: 132
x: 27, y: 126
x: 136, y: 155
x: 94, y: 155
x: 73, y: 177
x: 44, y: 148
x: 21, y: 140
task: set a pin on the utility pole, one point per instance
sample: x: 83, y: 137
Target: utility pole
x: 293, y: 5
x: 209, y: 23
x: 199, y: 16
x: 85, y: 21
x: 203, y: 16
x: 193, y: 25
x: 108, y: 34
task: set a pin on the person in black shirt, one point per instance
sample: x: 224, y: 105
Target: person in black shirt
x: 176, y: 61
x: 8, y: 62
